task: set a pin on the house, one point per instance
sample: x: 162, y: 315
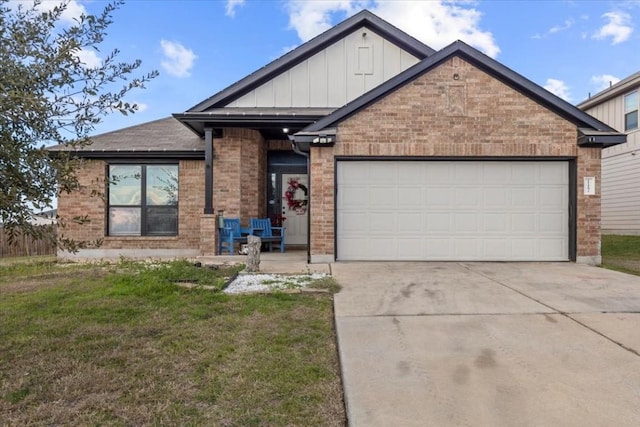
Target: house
x: 373, y: 146
x: 618, y: 107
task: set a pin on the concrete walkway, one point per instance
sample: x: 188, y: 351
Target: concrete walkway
x: 289, y: 262
x: 488, y: 344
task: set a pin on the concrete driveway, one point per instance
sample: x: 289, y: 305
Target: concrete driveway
x: 488, y: 344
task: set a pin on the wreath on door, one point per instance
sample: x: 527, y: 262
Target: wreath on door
x: 292, y: 196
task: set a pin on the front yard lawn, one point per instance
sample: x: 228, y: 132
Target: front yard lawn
x: 621, y: 253
x: 123, y: 345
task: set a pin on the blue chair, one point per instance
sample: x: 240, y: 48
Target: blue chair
x: 262, y: 227
x: 230, y: 234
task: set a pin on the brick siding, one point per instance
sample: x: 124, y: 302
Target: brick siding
x: 437, y: 114
x: 92, y: 177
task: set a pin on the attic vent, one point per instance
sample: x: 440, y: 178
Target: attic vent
x: 364, y: 59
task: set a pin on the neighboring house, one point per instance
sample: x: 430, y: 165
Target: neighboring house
x: 618, y: 107
x: 373, y: 146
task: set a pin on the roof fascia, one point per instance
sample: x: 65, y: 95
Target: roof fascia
x: 133, y: 154
x: 310, y: 48
x: 480, y: 60
x: 626, y: 85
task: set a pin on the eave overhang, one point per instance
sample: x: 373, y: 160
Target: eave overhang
x: 594, y: 138
x: 305, y: 140
x: 134, y: 154
x: 266, y: 119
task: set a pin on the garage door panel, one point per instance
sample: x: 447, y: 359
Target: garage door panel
x: 383, y: 197
x: 496, y: 248
x: 439, y: 222
x: 554, y: 223
x: 411, y: 172
x: 523, y: 249
x: 551, y: 196
x: 357, y: 196
x: 353, y: 223
x: 465, y: 222
x: 410, y: 197
x: 467, y: 197
x: 551, y: 248
x: 356, y: 174
x: 524, y: 173
x: 466, y: 249
x: 410, y: 249
x: 495, y: 197
x: 438, y: 197
x: 495, y: 223
x: 523, y: 223
x: 411, y: 222
x: 438, y: 248
x: 467, y: 173
x: 439, y: 173
x: 549, y: 173
x: 496, y: 174
x: 453, y: 210
x: 383, y: 223
x: 523, y: 197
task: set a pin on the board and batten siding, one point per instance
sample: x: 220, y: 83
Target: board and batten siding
x: 620, y: 173
x: 334, y: 76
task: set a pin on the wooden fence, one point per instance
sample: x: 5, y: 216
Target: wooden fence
x: 26, y: 246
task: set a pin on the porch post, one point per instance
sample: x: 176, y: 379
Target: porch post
x: 208, y: 171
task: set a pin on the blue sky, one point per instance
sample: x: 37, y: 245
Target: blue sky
x: 572, y: 48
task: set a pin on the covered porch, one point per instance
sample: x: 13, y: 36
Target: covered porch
x: 252, y: 170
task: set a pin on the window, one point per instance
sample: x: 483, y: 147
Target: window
x: 143, y: 200
x: 631, y: 111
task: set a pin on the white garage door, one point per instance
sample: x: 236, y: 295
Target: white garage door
x: 453, y: 210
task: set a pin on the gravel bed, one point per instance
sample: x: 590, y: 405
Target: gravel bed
x: 247, y: 283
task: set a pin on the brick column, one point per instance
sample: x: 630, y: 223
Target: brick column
x: 208, y: 225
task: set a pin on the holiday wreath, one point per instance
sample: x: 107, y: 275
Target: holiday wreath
x: 298, y: 205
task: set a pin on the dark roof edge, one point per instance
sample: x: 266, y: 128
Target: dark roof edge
x: 308, y: 49
x: 602, y: 139
x: 627, y: 84
x: 131, y: 154
x: 487, y: 64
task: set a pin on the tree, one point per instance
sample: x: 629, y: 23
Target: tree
x: 48, y: 95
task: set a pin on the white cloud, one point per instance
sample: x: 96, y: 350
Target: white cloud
x: 435, y: 23
x: 89, y: 58
x: 618, y: 27
x: 178, y: 59
x: 231, y: 7
x: 604, y: 81
x: 558, y: 88
x: 558, y: 28
x: 72, y: 12
x: 568, y: 23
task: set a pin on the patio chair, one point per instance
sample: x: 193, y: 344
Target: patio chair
x: 230, y: 234
x: 262, y: 227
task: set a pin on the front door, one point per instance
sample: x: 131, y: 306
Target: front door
x: 295, y: 207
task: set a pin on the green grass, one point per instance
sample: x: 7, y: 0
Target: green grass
x: 621, y: 253
x: 621, y: 246
x: 123, y: 345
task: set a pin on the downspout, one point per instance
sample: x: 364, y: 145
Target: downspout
x: 297, y: 150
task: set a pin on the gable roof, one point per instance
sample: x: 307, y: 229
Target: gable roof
x: 159, y: 138
x: 622, y: 87
x: 308, y: 49
x: 480, y: 60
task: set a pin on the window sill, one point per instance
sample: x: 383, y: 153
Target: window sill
x: 140, y: 238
